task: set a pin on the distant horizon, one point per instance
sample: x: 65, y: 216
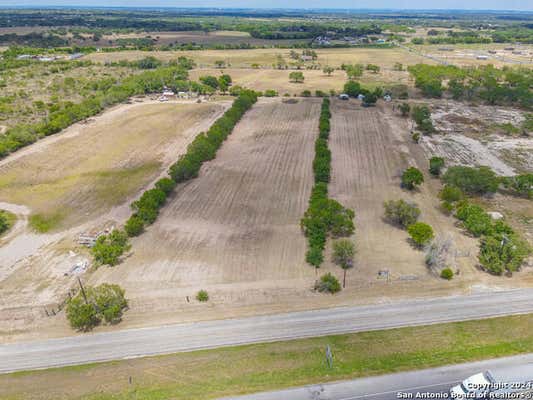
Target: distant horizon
x: 288, y: 5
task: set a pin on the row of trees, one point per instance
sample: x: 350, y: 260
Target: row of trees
x: 324, y: 216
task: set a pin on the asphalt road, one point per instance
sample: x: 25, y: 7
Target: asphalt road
x: 132, y: 343
x: 436, y: 381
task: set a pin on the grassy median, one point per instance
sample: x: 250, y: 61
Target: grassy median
x: 244, y: 369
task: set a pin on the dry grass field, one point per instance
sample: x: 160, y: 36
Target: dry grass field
x: 386, y: 58
x: 82, y: 173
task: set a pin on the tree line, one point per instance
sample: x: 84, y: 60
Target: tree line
x: 324, y: 216
x: 505, y: 86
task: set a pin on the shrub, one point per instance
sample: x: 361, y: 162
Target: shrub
x: 416, y: 137
x: 210, y: 81
x: 522, y: 185
x: 412, y: 177
x: 470, y: 180
x: 328, y: 284
x: 270, y: 93
x: 109, y: 248
x: 435, y: 165
x: 401, y: 213
x: 104, y: 302
x: 404, y: 108
x: 421, y: 233
x: 306, y: 93
x: 475, y: 219
x: 446, y: 273
x: 451, y: 194
x: 202, y: 296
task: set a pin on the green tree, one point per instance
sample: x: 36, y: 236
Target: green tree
x: 446, y: 273
x: 328, y: 284
x: 500, y: 253
x: 296, y: 77
x: 210, y: 81
x: 352, y: 88
x: 343, y: 253
x: 412, y: 177
x: 328, y: 70
x: 109, y: 248
x: 88, y: 309
x: 435, y: 165
x: 421, y: 233
x: 134, y: 226
x: 475, y: 181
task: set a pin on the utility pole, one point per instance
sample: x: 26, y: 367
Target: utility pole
x: 83, y: 291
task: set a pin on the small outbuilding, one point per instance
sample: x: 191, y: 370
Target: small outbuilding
x: 344, y: 96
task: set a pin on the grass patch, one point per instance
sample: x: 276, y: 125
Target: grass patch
x: 508, y: 129
x: 43, y: 223
x: 244, y: 369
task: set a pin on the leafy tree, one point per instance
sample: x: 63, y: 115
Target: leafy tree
x: 149, y: 63
x: 353, y: 71
x: 471, y: 180
x: 134, y: 226
x: 405, y: 108
x: 500, y: 253
x: 210, y: 81
x: 352, y: 88
x: 4, y: 222
x: 328, y: 70
x: 422, y: 116
x: 412, y: 177
x: 343, y: 253
x: 202, y: 296
x: 421, y: 233
x: 435, y: 165
x: 296, y: 77
x: 328, y: 284
x: 475, y: 219
x: 370, y: 99
x: 401, y: 213
x: 105, y: 302
x: 109, y: 248
x: 166, y: 185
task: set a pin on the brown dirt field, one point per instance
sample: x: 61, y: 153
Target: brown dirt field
x: 238, y: 222
x: 123, y: 149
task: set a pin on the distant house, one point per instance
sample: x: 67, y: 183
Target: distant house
x: 306, y: 58
x: 344, y: 96
x: 482, y: 57
x: 168, y: 93
x: 361, y: 97
x: 387, y: 98
x: 380, y: 41
x: 75, y: 56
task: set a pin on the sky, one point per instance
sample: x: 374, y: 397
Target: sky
x: 526, y: 5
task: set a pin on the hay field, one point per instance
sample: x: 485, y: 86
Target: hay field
x: 235, y: 227
x: 78, y: 175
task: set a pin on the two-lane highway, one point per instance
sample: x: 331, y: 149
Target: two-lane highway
x: 131, y: 343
